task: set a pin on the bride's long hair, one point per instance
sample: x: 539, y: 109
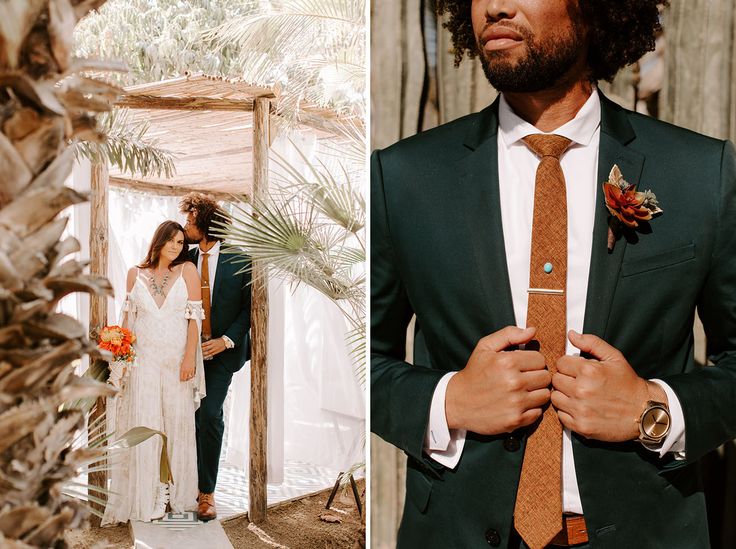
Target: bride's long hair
x: 163, y: 234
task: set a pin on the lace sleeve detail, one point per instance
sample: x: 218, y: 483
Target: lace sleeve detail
x: 129, y: 305
x: 194, y: 310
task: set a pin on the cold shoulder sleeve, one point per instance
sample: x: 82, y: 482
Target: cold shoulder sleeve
x: 194, y: 310
x: 129, y: 305
x: 128, y: 312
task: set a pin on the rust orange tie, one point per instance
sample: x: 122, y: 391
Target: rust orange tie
x: 538, y: 509
x: 206, y: 305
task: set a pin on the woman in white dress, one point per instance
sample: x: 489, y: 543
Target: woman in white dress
x: 163, y: 308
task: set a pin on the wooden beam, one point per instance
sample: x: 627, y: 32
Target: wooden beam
x: 257, y: 481
x: 170, y: 190
x: 141, y: 101
x: 98, y: 243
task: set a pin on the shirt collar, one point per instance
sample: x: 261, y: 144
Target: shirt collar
x: 579, y: 130
x: 214, y: 250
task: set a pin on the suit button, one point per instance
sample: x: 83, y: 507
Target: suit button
x: 492, y: 537
x: 511, y: 443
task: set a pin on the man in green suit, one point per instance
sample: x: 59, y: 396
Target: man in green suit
x: 454, y: 220
x: 226, y: 294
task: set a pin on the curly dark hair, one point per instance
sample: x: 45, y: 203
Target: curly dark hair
x: 207, y: 214
x: 620, y: 31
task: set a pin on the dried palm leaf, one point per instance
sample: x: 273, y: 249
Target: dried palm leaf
x: 18, y: 422
x: 18, y: 521
x: 32, y: 210
x: 16, y: 20
x: 40, y: 93
x: 16, y: 174
x: 62, y: 20
x: 44, y: 144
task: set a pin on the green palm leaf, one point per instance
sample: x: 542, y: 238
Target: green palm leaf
x: 128, y: 148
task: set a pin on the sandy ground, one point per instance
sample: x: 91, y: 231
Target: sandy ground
x: 297, y: 525
x: 292, y: 525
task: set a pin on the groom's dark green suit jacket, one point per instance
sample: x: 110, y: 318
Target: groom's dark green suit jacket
x: 231, y: 294
x: 437, y: 250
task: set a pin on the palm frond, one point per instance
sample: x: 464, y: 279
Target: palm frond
x: 331, y: 195
x: 313, y: 50
x: 97, y: 371
x: 128, y: 148
x: 356, y: 342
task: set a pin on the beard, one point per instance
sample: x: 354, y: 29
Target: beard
x: 545, y: 64
x: 192, y: 236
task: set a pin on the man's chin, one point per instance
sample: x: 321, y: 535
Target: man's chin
x: 513, y: 77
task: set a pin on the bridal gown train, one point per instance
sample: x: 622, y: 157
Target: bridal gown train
x: 153, y: 396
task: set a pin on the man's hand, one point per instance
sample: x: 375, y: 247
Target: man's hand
x: 186, y: 369
x: 498, y: 392
x: 213, y: 347
x: 601, y: 398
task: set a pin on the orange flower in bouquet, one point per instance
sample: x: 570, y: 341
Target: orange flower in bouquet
x: 119, y: 341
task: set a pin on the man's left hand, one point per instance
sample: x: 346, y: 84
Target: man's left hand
x: 213, y: 347
x: 600, y: 398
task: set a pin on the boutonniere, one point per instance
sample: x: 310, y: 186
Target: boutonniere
x: 628, y: 207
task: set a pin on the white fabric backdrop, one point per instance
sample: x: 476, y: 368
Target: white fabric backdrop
x: 324, y: 406
x: 316, y: 406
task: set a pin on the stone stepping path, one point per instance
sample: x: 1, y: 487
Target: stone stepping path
x: 179, y: 531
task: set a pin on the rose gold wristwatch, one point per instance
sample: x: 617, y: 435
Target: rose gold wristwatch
x: 654, y: 423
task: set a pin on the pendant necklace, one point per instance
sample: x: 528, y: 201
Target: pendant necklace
x: 155, y: 288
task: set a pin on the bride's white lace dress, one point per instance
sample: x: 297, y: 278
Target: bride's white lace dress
x: 153, y: 396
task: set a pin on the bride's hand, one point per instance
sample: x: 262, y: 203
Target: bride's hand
x: 186, y: 370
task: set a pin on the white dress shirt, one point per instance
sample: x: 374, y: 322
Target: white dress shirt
x: 212, y: 271
x: 517, y: 167
x: 211, y: 264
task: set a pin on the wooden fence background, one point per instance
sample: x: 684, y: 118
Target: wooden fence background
x: 414, y: 86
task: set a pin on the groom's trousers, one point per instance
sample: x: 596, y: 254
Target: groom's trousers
x: 210, y: 423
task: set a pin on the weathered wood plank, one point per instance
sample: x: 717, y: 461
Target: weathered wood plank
x: 700, y: 84
x: 259, y: 331
x: 140, y: 101
x: 98, y: 246
x: 169, y: 190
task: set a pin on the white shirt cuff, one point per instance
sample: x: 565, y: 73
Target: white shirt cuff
x: 675, y: 440
x: 442, y: 444
x: 228, y: 342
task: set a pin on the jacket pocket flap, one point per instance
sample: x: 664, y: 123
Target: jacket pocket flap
x: 659, y: 260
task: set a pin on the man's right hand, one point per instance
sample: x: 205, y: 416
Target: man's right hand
x: 498, y: 391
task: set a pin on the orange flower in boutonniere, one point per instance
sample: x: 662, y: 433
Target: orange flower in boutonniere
x: 628, y: 207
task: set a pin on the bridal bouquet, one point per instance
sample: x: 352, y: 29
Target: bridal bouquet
x: 119, y: 341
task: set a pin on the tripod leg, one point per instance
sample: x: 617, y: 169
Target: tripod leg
x: 334, y: 491
x: 356, y: 495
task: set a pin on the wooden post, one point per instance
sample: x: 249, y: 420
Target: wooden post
x: 98, y: 241
x: 257, y: 480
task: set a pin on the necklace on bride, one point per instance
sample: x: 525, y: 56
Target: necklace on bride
x: 157, y: 289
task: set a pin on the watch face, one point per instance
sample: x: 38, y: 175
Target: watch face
x: 656, y: 422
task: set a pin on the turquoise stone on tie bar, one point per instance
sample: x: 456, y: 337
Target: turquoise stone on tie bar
x: 548, y: 268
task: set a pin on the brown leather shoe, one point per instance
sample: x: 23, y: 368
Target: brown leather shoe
x: 206, y: 510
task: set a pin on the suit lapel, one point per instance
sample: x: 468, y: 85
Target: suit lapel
x: 481, y: 212
x: 605, y: 267
x: 220, y: 273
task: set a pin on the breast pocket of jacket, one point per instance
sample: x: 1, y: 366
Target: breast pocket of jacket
x: 671, y: 258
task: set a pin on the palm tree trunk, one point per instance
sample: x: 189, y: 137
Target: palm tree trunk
x: 38, y: 345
